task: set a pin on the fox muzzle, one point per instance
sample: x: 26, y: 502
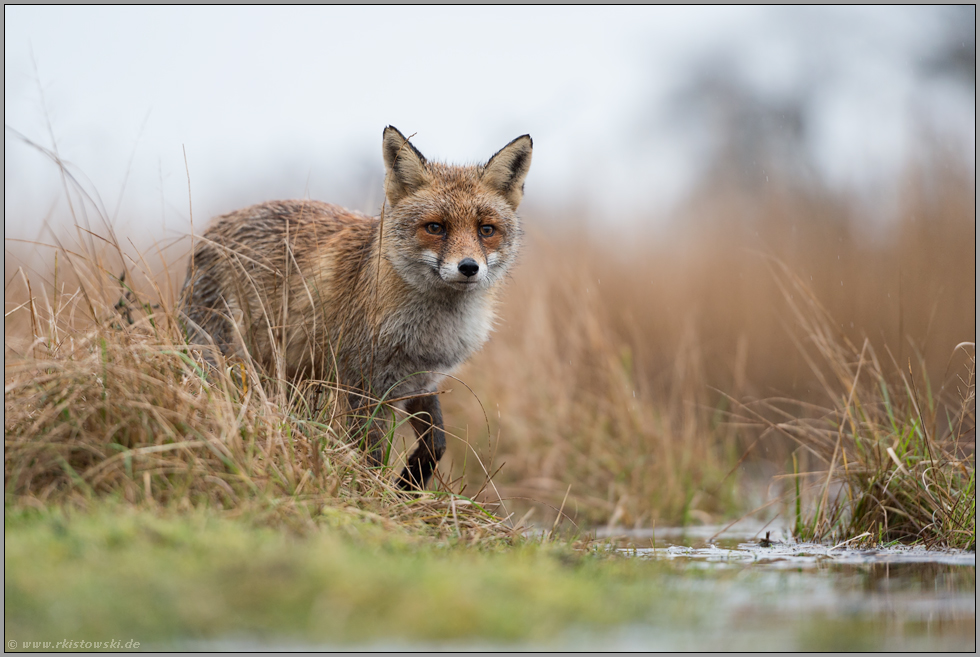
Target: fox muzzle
x: 468, y: 267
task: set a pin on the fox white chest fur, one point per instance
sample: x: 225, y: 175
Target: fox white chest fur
x: 434, y: 341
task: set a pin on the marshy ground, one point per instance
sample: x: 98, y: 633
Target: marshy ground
x: 200, y: 581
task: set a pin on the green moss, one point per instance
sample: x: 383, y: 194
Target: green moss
x: 159, y: 577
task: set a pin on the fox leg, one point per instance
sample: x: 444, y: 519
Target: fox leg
x: 432, y: 442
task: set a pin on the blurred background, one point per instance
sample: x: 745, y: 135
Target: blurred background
x: 630, y: 108
x: 679, y: 153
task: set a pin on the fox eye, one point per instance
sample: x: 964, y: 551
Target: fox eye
x: 486, y: 230
x: 434, y: 229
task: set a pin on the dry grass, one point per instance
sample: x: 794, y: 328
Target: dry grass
x: 102, y: 397
x: 621, y: 351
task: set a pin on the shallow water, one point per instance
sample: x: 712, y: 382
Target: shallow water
x: 716, y: 544
x: 805, y: 596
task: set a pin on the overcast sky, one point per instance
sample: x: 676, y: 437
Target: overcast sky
x: 291, y: 102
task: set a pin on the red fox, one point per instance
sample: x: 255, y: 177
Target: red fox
x: 383, y: 306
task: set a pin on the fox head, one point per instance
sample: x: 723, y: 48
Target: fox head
x: 452, y: 228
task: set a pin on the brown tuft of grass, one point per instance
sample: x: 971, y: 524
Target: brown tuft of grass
x: 103, y: 397
x: 899, y: 455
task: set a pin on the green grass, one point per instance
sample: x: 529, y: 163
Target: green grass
x: 159, y: 577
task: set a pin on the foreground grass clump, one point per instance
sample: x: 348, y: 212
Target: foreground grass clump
x: 900, y: 456
x: 104, y: 398
x: 159, y: 576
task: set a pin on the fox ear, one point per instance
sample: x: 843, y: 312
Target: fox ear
x: 405, y: 170
x: 506, y: 170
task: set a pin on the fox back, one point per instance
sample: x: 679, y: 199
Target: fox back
x: 384, y: 306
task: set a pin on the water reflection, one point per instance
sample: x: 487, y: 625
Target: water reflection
x: 818, y: 596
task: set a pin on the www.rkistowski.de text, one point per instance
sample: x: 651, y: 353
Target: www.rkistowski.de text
x: 70, y: 644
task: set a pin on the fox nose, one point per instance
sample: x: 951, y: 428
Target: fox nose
x: 468, y: 267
